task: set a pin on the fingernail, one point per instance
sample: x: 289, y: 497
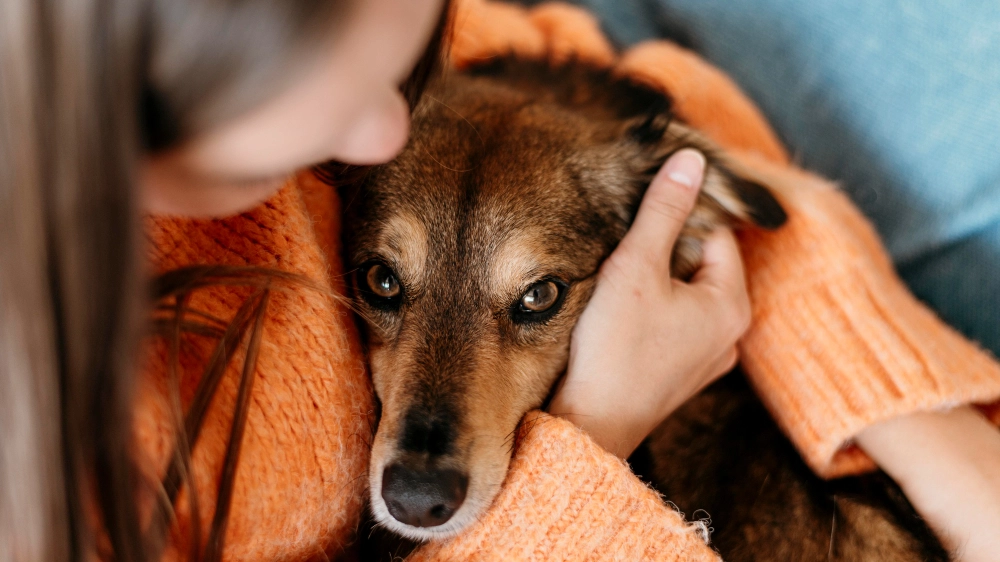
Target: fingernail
x: 686, y: 167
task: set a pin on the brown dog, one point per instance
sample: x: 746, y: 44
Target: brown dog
x: 475, y: 252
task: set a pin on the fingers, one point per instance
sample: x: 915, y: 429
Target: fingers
x: 664, y: 209
x: 721, y: 284
x: 721, y: 263
x: 726, y: 363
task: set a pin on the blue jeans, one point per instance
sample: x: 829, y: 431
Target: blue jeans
x: 898, y: 101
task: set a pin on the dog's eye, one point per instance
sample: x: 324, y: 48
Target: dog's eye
x: 382, y: 281
x: 540, y: 297
x: 539, y: 303
x: 379, y: 285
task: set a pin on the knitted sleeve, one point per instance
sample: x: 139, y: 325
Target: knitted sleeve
x: 566, y: 498
x: 838, y: 342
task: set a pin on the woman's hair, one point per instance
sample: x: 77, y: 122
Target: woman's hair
x: 87, y: 88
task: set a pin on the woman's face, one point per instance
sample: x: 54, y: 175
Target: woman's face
x: 347, y: 107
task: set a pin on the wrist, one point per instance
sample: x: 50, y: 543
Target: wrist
x: 910, y: 446
x: 618, y: 432
x: 948, y: 465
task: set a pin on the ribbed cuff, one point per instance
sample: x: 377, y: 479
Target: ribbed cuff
x: 552, y: 31
x: 566, y: 498
x: 484, y: 30
x: 572, y: 33
x: 838, y: 342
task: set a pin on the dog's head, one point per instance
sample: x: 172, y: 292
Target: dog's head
x: 475, y: 251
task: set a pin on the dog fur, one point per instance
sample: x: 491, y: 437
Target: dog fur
x: 518, y: 181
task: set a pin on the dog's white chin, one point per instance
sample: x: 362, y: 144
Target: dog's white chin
x: 467, y: 514
x: 462, y: 518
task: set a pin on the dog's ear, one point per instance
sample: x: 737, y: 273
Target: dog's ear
x: 727, y: 198
x: 742, y: 200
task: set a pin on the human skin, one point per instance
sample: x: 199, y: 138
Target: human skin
x: 625, y: 374
x: 345, y: 106
x: 348, y: 108
x: 620, y: 383
x: 948, y: 465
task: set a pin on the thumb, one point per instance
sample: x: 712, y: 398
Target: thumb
x: 665, y: 207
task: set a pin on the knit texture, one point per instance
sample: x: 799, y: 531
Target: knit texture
x: 300, y: 483
x: 566, y: 498
x: 837, y: 343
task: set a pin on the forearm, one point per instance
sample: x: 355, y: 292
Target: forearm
x: 565, y: 498
x: 948, y: 464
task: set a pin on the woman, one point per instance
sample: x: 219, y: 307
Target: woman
x: 114, y: 109
x: 95, y: 97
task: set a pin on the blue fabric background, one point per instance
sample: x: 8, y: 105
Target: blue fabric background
x: 897, y: 100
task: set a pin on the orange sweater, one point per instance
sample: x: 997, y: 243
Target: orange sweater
x: 837, y: 343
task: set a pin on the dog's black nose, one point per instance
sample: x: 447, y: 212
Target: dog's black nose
x: 423, y: 499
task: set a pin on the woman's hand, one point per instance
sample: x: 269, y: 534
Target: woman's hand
x: 646, y: 342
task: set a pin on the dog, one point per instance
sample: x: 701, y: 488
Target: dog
x: 473, y: 255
